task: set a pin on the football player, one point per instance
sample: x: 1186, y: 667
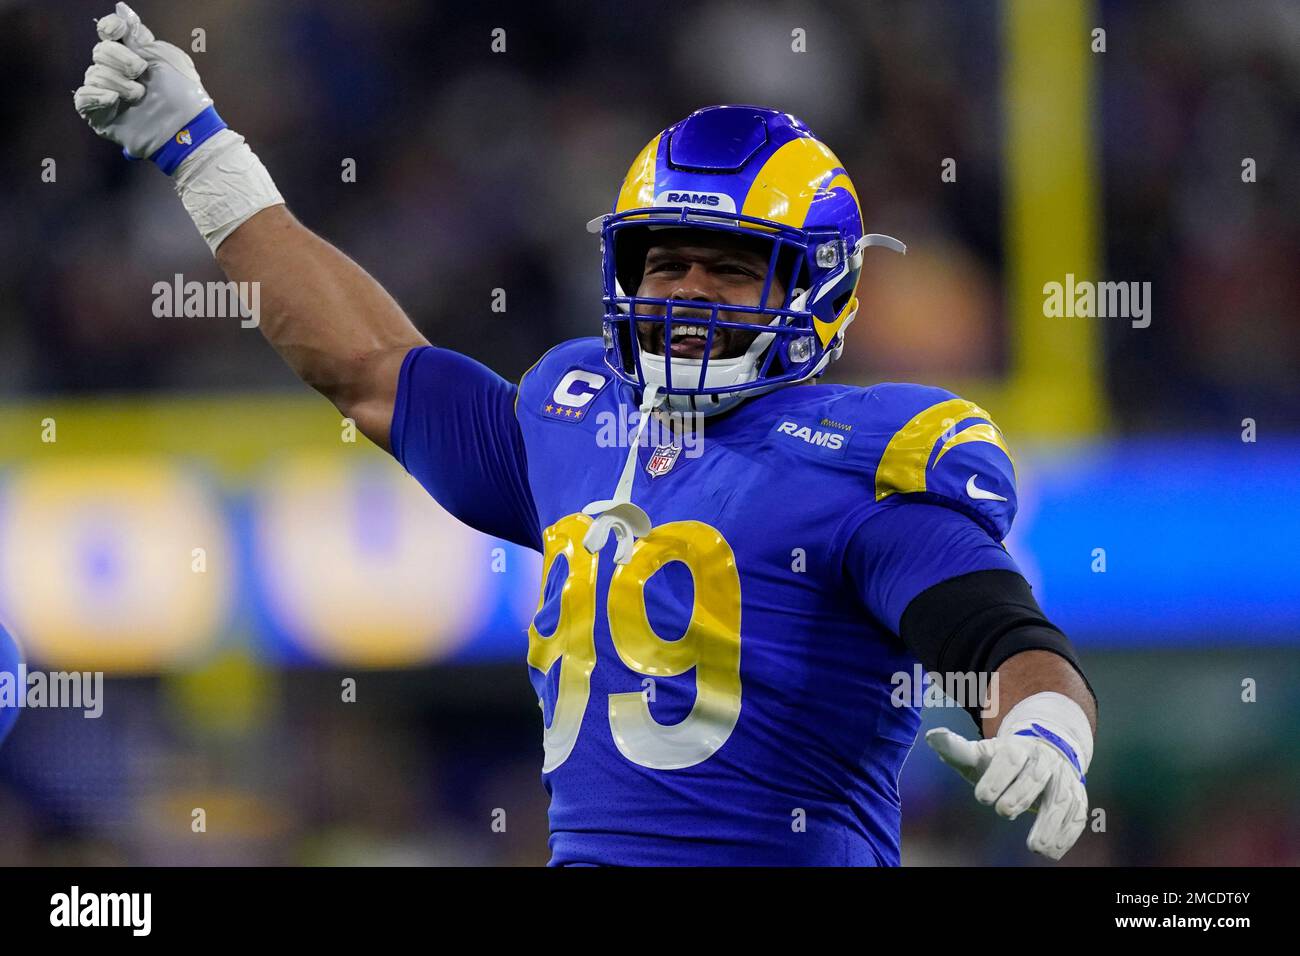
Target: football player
x: 718, y: 635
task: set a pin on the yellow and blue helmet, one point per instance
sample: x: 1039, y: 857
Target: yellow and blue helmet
x: 754, y: 172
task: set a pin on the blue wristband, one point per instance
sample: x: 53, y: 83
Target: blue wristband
x: 1058, y: 743
x: 194, y: 134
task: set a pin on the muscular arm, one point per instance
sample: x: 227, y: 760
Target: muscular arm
x: 332, y: 322
x: 1032, y: 672
x: 1038, y: 741
x: 456, y: 432
x: 934, y: 575
x: 960, y: 605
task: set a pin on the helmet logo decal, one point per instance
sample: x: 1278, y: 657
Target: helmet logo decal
x: 717, y: 202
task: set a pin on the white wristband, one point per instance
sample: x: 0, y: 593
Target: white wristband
x: 222, y: 184
x: 1058, y: 714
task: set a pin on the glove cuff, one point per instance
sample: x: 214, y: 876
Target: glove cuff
x: 222, y: 184
x: 194, y: 134
x: 1055, y: 718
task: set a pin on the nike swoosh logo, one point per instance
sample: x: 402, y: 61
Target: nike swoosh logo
x: 979, y: 493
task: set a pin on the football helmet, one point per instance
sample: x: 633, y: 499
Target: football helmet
x: 757, y: 173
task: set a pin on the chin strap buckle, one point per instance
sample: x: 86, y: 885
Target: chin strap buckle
x: 624, y: 520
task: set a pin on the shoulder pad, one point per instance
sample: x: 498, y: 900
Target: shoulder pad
x: 585, y: 356
x: 948, y: 450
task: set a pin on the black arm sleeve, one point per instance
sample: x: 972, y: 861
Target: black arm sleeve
x: 974, y: 622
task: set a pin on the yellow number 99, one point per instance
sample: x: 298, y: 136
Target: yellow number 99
x: 710, y: 645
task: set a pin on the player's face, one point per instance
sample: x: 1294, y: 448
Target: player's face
x: 705, y: 266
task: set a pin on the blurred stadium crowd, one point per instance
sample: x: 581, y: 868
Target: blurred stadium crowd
x: 478, y: 171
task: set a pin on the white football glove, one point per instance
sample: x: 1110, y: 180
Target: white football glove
x: 1037, y: 762
x: 139, y: 92
x: 145, y: 95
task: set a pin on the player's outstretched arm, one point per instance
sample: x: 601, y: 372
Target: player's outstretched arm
x: 333, y: 323
x: 959, y: 603
x: 1040, y: 723
x: 1036, y: 672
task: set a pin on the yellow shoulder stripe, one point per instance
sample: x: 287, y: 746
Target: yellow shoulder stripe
x: 902, y: 466
x: 986, y: 431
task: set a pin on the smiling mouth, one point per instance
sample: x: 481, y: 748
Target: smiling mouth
x: 689, y: 340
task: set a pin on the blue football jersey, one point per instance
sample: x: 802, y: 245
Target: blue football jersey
x: 723, y: 697
x: 11, y: 659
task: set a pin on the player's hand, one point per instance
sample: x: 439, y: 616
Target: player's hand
x: 1023, y: 771
x: 139, y: 92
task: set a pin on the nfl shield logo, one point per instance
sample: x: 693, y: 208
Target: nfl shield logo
x: 662, y: 461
